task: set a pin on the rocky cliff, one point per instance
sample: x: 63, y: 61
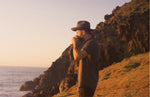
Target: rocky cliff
x: 125, y: 32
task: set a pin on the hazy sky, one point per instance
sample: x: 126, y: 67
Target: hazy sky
x: 36, y: 32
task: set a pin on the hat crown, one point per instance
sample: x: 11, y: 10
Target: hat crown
x: 83, y: 24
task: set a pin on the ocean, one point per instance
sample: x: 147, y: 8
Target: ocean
x: 11, y: 79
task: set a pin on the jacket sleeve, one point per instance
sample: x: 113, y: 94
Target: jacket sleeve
x: 89, y: 46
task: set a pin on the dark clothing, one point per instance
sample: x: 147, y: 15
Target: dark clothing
x: 86, y: 92
x: 88, y: 66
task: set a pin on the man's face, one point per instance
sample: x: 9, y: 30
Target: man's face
x: 80, y: 33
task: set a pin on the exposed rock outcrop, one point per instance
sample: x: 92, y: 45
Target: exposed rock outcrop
x: 27, y: 86
x: 124, y: 33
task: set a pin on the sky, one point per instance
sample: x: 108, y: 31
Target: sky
x: 36, y: 32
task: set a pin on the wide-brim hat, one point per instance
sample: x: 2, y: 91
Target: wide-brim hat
x: 82, y: 25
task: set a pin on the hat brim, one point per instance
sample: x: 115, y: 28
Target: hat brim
x: 78, y: 28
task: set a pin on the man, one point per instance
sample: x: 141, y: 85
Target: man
x: 86, y: 52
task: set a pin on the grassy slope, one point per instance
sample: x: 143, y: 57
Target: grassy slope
x: 128, y: 78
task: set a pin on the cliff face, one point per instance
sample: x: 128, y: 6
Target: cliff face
x: 124, y: 33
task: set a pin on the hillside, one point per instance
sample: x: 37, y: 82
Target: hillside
x: 124, y: 33
x: 128, y: 78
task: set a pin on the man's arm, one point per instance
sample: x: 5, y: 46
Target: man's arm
x: 77, y: 53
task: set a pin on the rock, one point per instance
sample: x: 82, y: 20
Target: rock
x: 27, y: 86
x: 106, y: 17
x: 67, y: 83
x: 29, y: 95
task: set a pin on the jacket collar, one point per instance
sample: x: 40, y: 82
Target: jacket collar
x: 87, y: 37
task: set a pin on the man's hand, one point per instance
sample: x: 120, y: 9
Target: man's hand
x: 75, y: 40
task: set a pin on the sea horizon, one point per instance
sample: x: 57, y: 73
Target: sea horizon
x: 24, y: 66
